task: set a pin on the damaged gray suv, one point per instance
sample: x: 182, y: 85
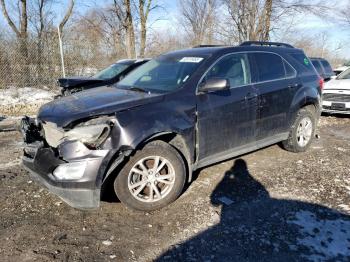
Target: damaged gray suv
x: 175, y: 114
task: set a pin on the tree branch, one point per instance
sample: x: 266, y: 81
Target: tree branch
x: 67, y: 15
x: 8, y: 19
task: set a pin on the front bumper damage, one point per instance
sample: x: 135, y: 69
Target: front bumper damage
x: 43, y: 163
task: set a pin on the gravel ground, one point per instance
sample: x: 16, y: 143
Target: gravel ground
x: 270, y: 205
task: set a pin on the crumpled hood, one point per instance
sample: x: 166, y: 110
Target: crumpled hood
x: 338, y: 84
x: 93, y: 102
x: 73, y: 82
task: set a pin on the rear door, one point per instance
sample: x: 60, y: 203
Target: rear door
x: 276, y: 82
x: 227, y: 118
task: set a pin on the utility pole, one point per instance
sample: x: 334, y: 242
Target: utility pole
x: 61, y: 52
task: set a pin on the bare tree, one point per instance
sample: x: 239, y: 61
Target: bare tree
x: 41, y: 21
x: 345, y: 14
x: 66, y: 16
x: 198, y: 19
x: 251, y: 19
x: 20, y: 30
x: 123, y: 11
x: 144, y: 10
x: 255, y: 19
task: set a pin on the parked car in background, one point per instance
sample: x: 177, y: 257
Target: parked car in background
x: 336, y: 94
x: 337, y: 71
x: 182, y: 111
x: 108, y: 76
x: 323, y: 68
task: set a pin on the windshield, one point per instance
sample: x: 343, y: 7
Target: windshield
x: 111, y: 71
x: 344, y: 75
x: 164, y: 74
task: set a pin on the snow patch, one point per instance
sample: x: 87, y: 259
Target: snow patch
x: 26, y: 95
x: 327, y: 239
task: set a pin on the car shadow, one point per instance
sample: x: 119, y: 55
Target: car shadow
x: 254, y: 226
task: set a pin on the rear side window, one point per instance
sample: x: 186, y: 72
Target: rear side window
x: 270, y: 67
x: 327, y: 67
x: 234, y: 67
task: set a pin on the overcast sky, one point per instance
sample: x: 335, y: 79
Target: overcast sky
x: 308, y: 24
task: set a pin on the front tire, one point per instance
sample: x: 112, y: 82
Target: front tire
x: 152, y: 178
x: 302, y: 132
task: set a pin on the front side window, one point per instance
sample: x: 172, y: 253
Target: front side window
x: 111, y: 71
x: 233, y: 67
x: 163, y: 74
x: 270, y: 67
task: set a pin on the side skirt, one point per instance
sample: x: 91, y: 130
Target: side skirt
x: 207, y: 161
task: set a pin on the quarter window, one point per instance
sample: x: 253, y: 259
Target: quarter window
x: 303, y: 62
x: 234, y: 67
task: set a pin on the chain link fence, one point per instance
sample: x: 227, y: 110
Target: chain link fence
x: 29, y: 72
x: 38, y: 63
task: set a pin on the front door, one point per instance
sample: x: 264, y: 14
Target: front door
x: 227, y: 118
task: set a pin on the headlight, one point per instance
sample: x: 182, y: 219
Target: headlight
x: 70, y: 171
x: 93, y: 135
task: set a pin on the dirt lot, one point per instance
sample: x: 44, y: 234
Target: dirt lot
x: 270, y: 205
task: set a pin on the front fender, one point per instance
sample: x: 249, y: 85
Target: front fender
x: 150, y: 122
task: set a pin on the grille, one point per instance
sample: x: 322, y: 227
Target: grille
x: 336, y: 97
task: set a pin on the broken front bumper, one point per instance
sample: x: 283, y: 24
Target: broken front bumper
x: 72, y: 171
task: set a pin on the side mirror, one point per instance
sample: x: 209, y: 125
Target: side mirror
x: 214, y: 84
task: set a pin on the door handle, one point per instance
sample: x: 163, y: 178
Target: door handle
x: 293, y: 86
x: 251, y: 96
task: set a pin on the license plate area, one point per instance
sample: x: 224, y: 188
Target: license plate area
x: 338, y: 106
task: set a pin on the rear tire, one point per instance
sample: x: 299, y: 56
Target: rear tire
x: 153, y: 178
x: 302, y: 132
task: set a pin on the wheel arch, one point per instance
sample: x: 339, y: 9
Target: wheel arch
x: 120, y: 157
x: 177, y: 141
x: 305, y: 98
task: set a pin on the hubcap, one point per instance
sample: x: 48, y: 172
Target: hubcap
x: 151, y: 179
x: 304, y: 131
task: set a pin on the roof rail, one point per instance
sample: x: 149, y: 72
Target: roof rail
x: 261, y: 43
x: 199, y: 46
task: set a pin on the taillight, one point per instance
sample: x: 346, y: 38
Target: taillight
x: 321, y: 82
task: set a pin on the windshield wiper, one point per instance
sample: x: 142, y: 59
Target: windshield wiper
x: 138, y: 89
